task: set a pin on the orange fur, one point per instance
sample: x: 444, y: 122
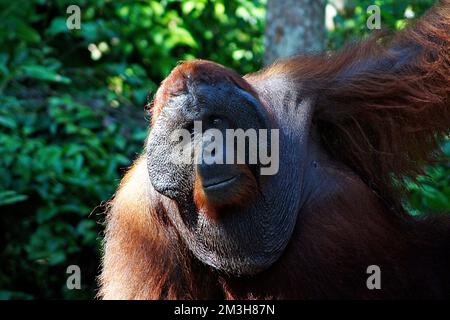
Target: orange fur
x: 142, y: 256
x: 242, y: 194
x: 201, y: 201
x: 380, y: 124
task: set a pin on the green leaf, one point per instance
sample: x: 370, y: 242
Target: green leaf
x: 42, y: 73
x: 57, y: 26
x: 26, y: 33
x: 13, y: 295
x: 56, y: 258
x: 7, y: 122
x: 10, y: 197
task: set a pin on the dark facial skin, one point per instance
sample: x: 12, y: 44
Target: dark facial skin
x: 243, y: 220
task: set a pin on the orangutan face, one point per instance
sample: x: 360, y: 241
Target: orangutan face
x: 236, y: 209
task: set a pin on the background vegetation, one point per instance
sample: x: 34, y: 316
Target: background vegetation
x: 72, y: 115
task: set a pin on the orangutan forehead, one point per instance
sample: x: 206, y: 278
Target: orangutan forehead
x: 194, y: 73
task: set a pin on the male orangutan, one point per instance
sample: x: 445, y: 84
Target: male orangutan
x: 350, y: 123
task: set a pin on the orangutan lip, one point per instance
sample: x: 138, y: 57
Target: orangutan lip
x: 221, y: 183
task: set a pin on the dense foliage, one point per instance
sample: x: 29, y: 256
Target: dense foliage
x: 72, y: 116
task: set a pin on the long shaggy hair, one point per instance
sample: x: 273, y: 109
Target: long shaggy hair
x: 383, y: 105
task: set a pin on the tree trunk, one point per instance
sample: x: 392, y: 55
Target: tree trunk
x: 293, y: 27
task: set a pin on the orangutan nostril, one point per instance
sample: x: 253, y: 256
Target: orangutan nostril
x: 190, y: 127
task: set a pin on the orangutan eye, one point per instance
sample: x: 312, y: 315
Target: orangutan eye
x: 216, y: 121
